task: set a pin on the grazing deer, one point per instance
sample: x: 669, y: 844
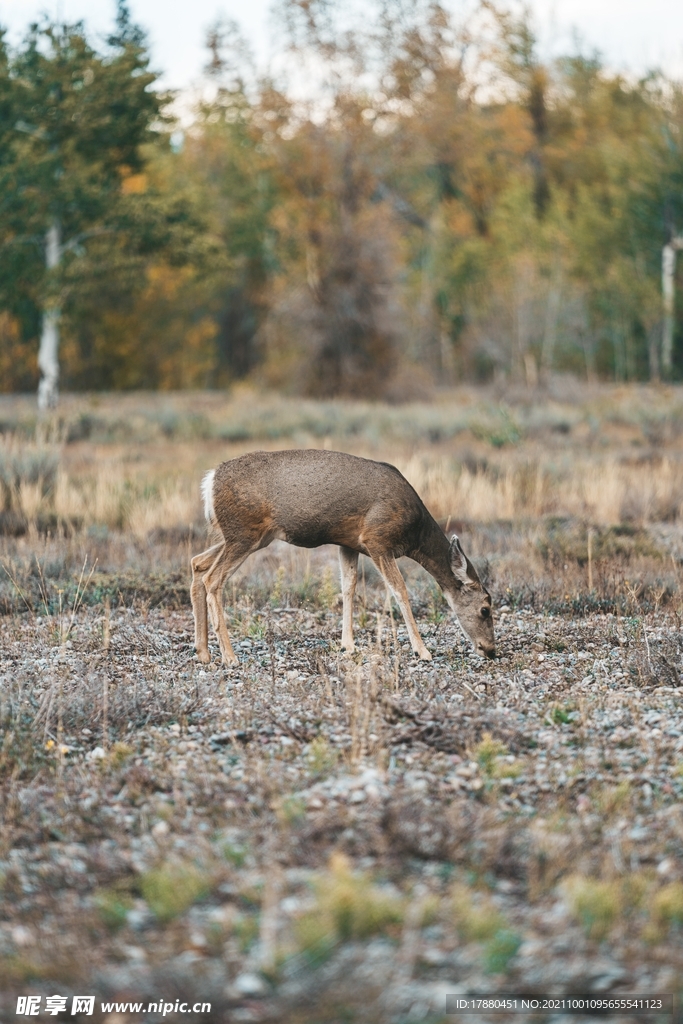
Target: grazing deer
x: 312, y: 497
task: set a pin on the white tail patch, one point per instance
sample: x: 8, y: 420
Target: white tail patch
x: 207, y: 495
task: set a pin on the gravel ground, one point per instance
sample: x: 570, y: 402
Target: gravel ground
x: 312, y: 837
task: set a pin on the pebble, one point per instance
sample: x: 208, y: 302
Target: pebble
x: 22, y: 936
x: 139, y: 917
x: 135, y: 953
x: 249, y: 985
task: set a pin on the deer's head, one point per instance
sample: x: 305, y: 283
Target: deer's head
x: 471, y: 602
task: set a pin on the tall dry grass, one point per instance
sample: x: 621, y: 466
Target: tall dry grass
x: 133, y: 463
x: 112, y: 498
x: 154, y: 493
x: 604, y: 491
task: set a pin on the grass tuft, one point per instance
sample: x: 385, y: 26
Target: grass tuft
x: 349, y: 906
x: 171, y: 889
x: 500, y: 950
x: 321, y: 757
x: 113, y: 907
x: 476, y: 917
x: 597, y: 905
x: 666, y: 912
x: 487, y: 752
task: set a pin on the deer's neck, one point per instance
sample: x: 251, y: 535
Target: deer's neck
x: 434, y: 555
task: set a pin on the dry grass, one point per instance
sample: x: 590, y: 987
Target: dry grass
x: 139, y: 498
x: 603, y: 460
x: 603, y: 490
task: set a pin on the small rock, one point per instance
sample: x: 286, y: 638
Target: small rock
x: 250, y: 985
x: 292, y: 904
x: 434, y: 956
x: 417, y: 784
x: 606, y: 980
x: 138, y: 918
x: 135, y: 953
x: 638, y: 833
x: 22, y: 936
x: 188, y: 957
x: 160, y: 830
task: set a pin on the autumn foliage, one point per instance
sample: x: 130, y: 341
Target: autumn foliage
x: 437, y: 203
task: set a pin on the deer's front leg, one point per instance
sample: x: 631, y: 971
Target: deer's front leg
x: 396, y: 584
x: 348, y: 564
x: 200, y: 564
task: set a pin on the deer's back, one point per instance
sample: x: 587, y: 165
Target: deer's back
x: 314, y: 497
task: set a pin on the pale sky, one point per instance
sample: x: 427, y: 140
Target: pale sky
x: 632, y: 35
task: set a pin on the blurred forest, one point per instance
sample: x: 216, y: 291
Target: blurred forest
x: 408, y: 199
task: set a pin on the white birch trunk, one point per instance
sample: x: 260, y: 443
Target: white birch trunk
x: 669, y: 301
x: 668, y: 274
x: 48, y: 354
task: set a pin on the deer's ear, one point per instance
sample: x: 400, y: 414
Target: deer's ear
x: 463, y: 570
x: 459, y: 562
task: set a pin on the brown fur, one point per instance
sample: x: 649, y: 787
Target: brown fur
x: 312, y: 497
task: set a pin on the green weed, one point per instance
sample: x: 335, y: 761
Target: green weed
x: 500, y: 950
x: 171, y: 889
x: 291, y: 810
x: 327, y: 592
x: 278, y: 592
x: 234, y: 854
x: 246, y: 930
x: 487, y: 752
x: 113, y: 907
x: 321, y: 757
x: 560, y: 716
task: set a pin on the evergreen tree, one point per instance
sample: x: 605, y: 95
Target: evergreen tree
x: 77, y: 215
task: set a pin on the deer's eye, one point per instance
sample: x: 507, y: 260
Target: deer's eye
x: 485, y: 612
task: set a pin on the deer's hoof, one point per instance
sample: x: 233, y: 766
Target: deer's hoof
x: 348, y: 648
x: 204, y: 657
x: 425, y: 655
x: 230, y: 660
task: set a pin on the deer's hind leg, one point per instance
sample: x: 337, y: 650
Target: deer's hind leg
x: 228, y: 561
x: 348, y: 564
x: 396, y: 584
x: 200, y: 564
